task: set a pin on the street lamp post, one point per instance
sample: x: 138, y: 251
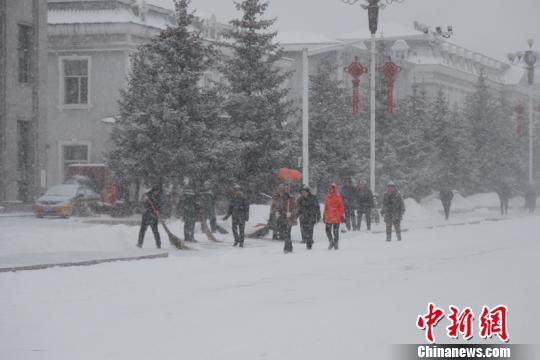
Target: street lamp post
x: 529, y: 58
x: 373, y: 7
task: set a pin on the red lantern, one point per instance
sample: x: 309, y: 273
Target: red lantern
x: 390, y: 71
x: 520, y: 112
x: 356, y: 70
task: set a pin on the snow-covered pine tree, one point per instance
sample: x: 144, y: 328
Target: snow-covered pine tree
x: 409, y: 138
x: 450, y: 141
x: 257, y: 100
x: 338, y: 138
x: 164, y: 129
x: 490, y: 138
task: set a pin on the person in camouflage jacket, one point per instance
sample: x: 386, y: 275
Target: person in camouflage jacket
x: 393, y: 209
x: 283, y: 211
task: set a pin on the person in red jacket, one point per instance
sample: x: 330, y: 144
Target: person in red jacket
x: 333, y: 213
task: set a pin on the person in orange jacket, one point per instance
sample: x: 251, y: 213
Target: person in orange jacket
x: 333, y: 213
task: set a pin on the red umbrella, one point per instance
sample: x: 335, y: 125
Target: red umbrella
x: 289, y: 175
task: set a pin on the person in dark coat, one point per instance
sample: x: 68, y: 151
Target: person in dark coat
x: 446, y: 195
x: 364, y: 203
x: 349, y: 199
x: 239, y: 210
x: 189, y: 209
x: 393, y: 209
x: 207, y: 205
x: 283, y: 211
x: 150, y: 216
x: 530, y: 198
x: 503, y: 192
x: 309, y: 213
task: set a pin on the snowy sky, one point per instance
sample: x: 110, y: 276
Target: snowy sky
x: 493, y: 27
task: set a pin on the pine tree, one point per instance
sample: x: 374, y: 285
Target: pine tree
x: 338, y: 141
x: 165, y: 127
x: 410, y: 145
x: 492, y: 138
x: 256, y: 100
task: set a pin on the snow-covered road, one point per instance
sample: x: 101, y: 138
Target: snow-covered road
x: 257, y: 303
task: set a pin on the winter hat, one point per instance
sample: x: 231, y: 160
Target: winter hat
x: 237, y: 187
x: 155, y: 188
x: 391, y: 183
x: 306, y: 189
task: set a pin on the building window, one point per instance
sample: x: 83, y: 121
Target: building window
x: 74, y: 154
x: 25, y: 36
x: 75, y: 81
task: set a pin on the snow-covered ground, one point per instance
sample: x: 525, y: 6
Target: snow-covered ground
x: 221, y: 302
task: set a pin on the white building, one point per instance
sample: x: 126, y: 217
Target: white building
x: 435, y: 63
x: 90, y: 43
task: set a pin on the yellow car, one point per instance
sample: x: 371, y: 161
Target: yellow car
x: 66, y: 200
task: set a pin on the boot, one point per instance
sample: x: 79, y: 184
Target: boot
x: 331, y: 245
x: 235, y: 243
x: 335, y: 245
x: 241, y: 244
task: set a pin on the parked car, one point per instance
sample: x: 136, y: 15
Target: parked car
x: 66, y: 200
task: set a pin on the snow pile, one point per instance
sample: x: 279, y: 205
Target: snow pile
x: 484, y: 200
x: 415, y: 212
x: 431, y: 202
x: 517, y: 202
x: 460, y: 203
x: 29, y: 241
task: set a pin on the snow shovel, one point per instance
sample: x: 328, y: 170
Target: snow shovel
x: 262, y: 230
x: 221, y: 229
x: 173, y: 239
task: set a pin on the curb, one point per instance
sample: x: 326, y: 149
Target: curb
x: 82, y: 263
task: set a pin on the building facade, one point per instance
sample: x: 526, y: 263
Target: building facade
x: 434, y: 63
x: 90, y: 43
x: 23, y: 99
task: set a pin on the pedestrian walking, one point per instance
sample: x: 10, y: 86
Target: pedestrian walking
x: 150, y: 216
x: 188, y: 209
x: 334, y: 210
x: 349, y: 200
x: 446, y: 195
x: 364, y: 203
x: 283, y: 211
x: 309, y: 213
x: 393, y: 209
x: 530, y: 198
x: 503, y: 192
x: 207, y: 206
x: 239, y: 210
